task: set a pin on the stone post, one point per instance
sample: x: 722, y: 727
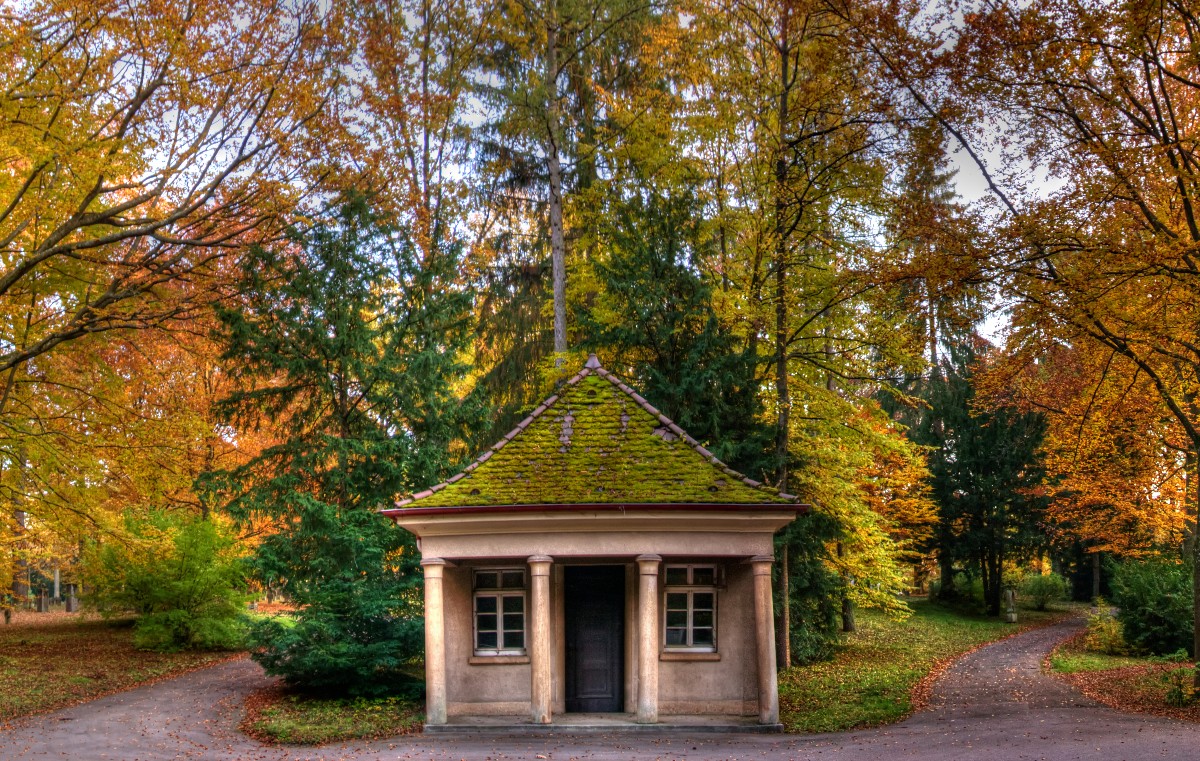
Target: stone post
x: 435, y: 641
x: 764, y: 630
x: 648, y: 647
x: 541, y: 651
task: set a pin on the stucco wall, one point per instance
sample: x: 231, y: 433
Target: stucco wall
x: 476, y: 689
x: 727, y: 686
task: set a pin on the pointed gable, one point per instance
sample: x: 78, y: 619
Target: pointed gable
x: 597, y: 442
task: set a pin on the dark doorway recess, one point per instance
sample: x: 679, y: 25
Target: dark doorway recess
x: 594, y: 599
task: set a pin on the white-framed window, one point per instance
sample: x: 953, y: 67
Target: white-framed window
x: 690, y: 620
x: 499, y: 611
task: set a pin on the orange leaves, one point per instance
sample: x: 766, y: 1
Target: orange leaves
x: 1117, y: 461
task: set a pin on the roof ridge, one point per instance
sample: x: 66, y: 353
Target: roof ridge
x: 593, y: 367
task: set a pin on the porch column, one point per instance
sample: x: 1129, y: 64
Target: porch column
x: 541, y: 653
x: 647, y: 701
x: 764, y: 630
x: 435, y: 642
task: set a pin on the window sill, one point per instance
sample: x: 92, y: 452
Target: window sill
x: 497, y: 660
x: 668, y: 655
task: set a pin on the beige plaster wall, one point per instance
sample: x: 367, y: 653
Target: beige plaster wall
x: 479, y: 689
x: 727, y: 686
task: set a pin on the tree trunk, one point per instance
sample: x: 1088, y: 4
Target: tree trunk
x: 1095, y: 575
x: 993, y: 585
x: 781, y: 385
x: 557, y: 245
x: 946, y: 574
x: 782, y: 390
x: 848, y: 624
x: 1195, y: 495
x: 783, y: 624
x: 20, y: 579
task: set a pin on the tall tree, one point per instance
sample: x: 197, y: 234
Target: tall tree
x: 1098, y: 101
x: 552, y: 72
x: 349, y: 346
x: 143, y: 144
x: 986, y: 476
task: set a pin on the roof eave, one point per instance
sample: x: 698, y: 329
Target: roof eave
x: 779, y: 507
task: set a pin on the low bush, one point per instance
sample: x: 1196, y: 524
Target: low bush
x: 355, y: 583
x: 1154, y: 602
x: 183, y: 580
x: 1104, y: 634
x: 1179, y: 687
x: 1042, y: 589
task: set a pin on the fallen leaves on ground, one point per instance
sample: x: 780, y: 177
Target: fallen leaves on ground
x: 55, y: 660
x: 275, y: 715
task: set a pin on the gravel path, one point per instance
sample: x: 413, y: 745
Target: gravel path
x: 994, y: 704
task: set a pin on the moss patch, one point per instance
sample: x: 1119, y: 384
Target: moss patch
x: 597, y: 444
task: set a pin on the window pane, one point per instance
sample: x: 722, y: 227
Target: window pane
x: 487, y: 580
x: 702, y: 618
x: 485, y: 622
x: 514, y: 579
x: 677, y: 575
x: 702, y: 636
x: 514, y: 604
x: 677, y: 618
x: 702, y: 600
x: 704, y: 576
x: 514, y: 640
x: 676, y: 636
x: 485, y: 604
x: 514, y: 621
x: 485, y: 640
x: 677, y: 601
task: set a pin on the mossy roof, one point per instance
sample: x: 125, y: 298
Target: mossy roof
x: 596, y: 442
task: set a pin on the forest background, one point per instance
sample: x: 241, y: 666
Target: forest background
x: 271, y: 265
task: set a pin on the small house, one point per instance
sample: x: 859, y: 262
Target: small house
x: 598, y: 559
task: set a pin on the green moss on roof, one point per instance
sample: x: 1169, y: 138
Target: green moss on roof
x: 597, y: 442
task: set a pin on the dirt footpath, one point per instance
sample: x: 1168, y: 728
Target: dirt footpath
x: 994, y: 704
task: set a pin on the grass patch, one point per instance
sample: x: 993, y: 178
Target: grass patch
x: 1071, y: 658
x: 1137, y: 684
x: 275, y: 716
x: 872, y: 678
x: 51, y: 660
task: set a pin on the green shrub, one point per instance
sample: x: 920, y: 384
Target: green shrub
x: 1043, y: 589
x: 1154, y: 602
x: 1104, y: 634
x: 1179, y: 687
x: 182, y: 579
x: 359, y: 625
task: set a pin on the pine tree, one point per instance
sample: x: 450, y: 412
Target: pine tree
x: 347, y: 343
x: 985, y: 470
x: 654, y: 317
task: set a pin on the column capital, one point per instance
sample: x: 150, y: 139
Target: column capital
x: 539, y: 565
x: 648, y: 564
x: 761, y: 564
x: 433, y: 567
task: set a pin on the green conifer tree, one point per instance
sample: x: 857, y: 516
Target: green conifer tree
x: 985, y: 466
x: 346, y: 344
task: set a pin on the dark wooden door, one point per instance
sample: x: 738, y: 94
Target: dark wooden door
x: 595, y: 613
